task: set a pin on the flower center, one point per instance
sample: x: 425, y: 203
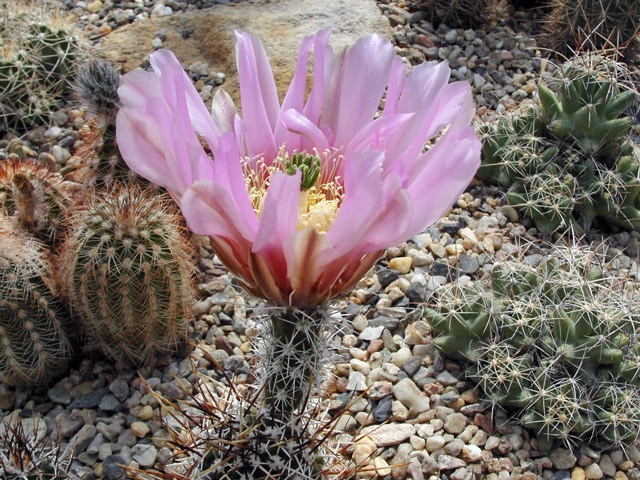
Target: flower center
x: 321, y: 191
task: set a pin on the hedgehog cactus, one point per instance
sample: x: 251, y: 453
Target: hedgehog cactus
x: 568, y: 160
x: 34, y: 343
x: 35, y: 196
x: 36, y: 62
x: 547, y: 335
x: 592, y: 24
x: 125, y: 268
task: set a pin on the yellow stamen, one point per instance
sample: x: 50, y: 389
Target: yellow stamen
x: 318, y: 205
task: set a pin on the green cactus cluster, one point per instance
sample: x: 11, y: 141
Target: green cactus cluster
x: 567, y: 160
x: 125, y: 269
x: 34, y: 330
x: 457, y: 13
x: 36, y: 61
x: 544, y: 340
x: 592, y: 24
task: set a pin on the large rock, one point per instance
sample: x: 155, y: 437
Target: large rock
x: 280, y: 24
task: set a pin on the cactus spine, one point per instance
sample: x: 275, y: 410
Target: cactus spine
x: 34, y: 343
x: 125, y: 269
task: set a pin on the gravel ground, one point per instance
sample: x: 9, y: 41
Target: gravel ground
x: 405, y: 404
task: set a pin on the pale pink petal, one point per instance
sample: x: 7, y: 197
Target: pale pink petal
x: 223, y: 111
x: 322, y: 59
x: 397, y: 81
x: 361, y: 81
x: 303, y: 135
x: 155, y: 135
x: 294, y: 99
x: 379, y: 133
x: 227, y: 172
x: 260, y: 106
x: 280, y: 211
x: 209, y: 210
x: 175, y: 80
x: 441, y: 175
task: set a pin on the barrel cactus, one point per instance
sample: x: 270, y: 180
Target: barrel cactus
x: 35, y: 196
x: 567, y: 160
x: 126, y: 271
x: 34, y: 327
x: 36, y: 62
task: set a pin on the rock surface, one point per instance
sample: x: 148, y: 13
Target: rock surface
x: 210, y: 33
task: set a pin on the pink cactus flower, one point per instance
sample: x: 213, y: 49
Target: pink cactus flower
x: 300, y: 198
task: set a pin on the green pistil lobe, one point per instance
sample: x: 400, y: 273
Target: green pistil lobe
x: 309, y: 165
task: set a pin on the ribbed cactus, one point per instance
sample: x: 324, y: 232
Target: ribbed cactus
x: 35, y: 196
x: 548, y: 336
x: 34, y: 343
x: 36, y: 61
x: 568, y: 161
x: 125, y: 269
x: 592, y: 24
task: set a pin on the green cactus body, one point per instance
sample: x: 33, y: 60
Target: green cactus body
x: 35, y: 197
x: 463, y: 318
x: 559, y: 411
x: 125, y: 269
x: 618, y: 412
x: 34, y: 343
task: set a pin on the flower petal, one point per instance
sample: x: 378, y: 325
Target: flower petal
x: 441, y: 175
x: 358, y: 81
x: 260, y: 105
x: 303, y: 135
x: 175, y: 80
x: 280, y: 211
x: 154, y: 133
x: 322, y: 59
x: 223, y: 111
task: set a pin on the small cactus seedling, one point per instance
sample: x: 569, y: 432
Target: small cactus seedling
x: 34, y: 344
x: 618, y: 412
x: 125, y: 269
x: 35, y: 196
x: 568, y: 161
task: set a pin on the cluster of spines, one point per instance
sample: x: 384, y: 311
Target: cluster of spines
x: 23, y: 456
x: 592, y: 25
x: 125, y: 270
x: 568, y: 160
x: 547, y: 341
x: 34, y: 329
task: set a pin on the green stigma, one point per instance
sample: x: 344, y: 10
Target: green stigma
x: 309, y: 165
